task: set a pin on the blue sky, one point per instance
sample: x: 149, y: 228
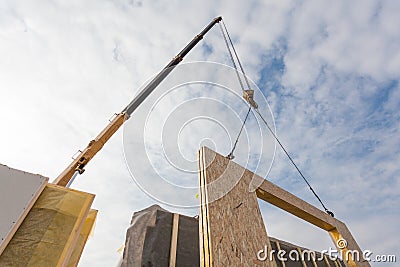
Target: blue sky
x: 328, y: 69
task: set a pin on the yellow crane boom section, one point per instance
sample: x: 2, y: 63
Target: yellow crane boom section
x: 79, y: 163
x: 91, y: 150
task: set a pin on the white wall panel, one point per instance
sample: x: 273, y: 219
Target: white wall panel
x: 18, y: 192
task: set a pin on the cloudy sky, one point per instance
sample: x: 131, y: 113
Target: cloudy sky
x: 329, y: 71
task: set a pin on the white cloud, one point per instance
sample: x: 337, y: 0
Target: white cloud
x: 67, y: 67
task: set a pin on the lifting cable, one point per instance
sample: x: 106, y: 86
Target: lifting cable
x: 294, y: 164
x: 236, y: 55
x: 230, y: 155
x: 248, y: 94
x: 231, y: 56
x: 226, y: 36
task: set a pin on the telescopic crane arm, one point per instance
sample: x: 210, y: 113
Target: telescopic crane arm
x: 77, y: 166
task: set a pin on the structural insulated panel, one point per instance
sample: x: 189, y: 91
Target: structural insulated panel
x: 18, y: 192
x: 231, y: 227
x: 51, y: 230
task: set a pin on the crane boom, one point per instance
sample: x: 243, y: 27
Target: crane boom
x: 94, y: 146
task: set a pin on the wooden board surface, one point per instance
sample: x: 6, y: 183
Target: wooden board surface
x: 231, y: 228
x: 229, y: 212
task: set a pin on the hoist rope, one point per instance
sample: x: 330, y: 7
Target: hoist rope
x: 225, y: 34
x: 227, y: 37
x: 237, y: 57
x: 231, y: 56
x: 230, y: 155
x: 294, y: 164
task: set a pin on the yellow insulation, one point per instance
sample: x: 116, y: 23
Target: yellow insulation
x: 48, y: 234
x: 83, y: 237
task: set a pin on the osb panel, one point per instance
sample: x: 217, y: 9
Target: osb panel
x: 231, y: 226
x: 338, y: 230
x: 232, y: 229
